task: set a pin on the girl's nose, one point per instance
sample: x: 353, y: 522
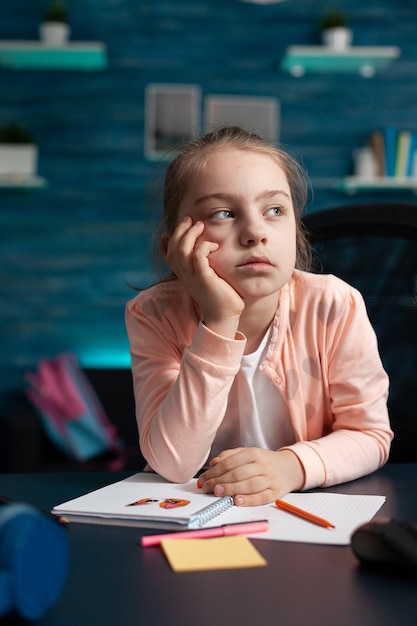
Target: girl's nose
x: 252, y: 233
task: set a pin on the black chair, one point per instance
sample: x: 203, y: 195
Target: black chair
x: 374, y: 248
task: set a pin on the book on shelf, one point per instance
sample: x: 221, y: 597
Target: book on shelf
x: 402, y: 156
x: 411, y: 167
x: 377, y: 144
x: 395, y: 152
x: 390, y: 149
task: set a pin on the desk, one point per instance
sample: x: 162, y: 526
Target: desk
x: 115, y: 581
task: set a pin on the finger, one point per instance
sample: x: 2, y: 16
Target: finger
x: 202, y: 253
x: 181, y: 245
x: 179, y: 231
x: 255, y: 499
x: 250, y: 492
x: 229, y: 480
x: 224, y: 454
x: 216, y: 472
x: 188, y: 238
x: 226, y: 461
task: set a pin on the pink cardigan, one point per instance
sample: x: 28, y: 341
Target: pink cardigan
x: 322, y: 356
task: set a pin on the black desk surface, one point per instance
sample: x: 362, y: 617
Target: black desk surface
x: 113, y: 581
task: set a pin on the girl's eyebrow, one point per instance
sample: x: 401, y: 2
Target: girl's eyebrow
x: 226, y: 197
x: 272, y: 193
x: 214, y: 196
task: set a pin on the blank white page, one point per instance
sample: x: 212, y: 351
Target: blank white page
x: 346, y: 512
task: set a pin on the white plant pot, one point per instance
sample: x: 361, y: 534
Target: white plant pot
x: 54, y: 33
x: 338, y: 38
x: 365, y: 163
x: 18, y: 160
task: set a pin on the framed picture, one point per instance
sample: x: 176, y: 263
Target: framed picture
x: 253, y: 113
x: 172, y: 116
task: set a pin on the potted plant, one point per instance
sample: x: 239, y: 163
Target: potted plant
x: 18, y: 152
x: 54, y: 29
x: 335, y: 30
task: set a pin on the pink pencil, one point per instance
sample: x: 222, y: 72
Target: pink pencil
x: 247, y: 528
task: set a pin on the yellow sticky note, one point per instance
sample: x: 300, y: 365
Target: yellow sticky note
x: 188, y: 555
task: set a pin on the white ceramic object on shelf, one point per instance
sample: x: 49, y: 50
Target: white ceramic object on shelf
x: 365, y: 163
x: 18, y: 160
x: 338, y: 38
x: 54, y: 33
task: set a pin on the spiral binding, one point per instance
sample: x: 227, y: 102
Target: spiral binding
x: 211, y: 511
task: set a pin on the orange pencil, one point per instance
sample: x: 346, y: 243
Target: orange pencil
x: 290, y: 508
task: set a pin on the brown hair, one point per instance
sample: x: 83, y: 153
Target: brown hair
x: 193, y: 157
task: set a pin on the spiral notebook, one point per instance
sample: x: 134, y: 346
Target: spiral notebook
x: 146, y: 500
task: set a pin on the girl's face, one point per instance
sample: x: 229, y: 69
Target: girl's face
x: 244, y: 200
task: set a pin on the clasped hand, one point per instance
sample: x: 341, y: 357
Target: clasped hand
x: 253, y: 476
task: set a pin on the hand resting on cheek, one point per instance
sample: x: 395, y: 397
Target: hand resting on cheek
x: 188, y: 256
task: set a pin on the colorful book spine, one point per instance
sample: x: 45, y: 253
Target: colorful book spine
x: 390, y: 135
x: 395, y: 152
x: 411, y: 167
x: 377, y: 144
x: 403, y: 151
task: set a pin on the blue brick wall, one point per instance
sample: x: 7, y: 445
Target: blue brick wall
x: 69, y: 252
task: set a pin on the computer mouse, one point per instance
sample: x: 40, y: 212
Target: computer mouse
x: 387, y: 543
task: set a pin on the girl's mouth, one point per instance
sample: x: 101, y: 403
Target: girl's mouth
x: 256, y: 263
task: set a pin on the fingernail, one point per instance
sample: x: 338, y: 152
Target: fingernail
x: 239, y: 500
x: 219, y: 490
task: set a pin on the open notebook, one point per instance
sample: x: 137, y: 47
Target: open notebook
x: 147, y: 500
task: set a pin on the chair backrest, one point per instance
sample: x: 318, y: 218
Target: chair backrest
x: 374, y: 248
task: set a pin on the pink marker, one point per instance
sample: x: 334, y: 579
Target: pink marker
x: 247, y: 528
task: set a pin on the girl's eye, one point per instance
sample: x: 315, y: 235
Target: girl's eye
x: 221, y: 214
x: 275, y: 211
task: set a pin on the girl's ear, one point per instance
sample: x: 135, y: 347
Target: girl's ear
x: 163, y: 242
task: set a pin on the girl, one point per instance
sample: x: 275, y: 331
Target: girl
x: 245, y: 364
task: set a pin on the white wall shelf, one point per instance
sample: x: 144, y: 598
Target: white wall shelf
x: 356, y: 184
x: 89, y: 55
x: 364, y: 60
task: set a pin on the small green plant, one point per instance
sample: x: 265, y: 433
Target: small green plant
x: 15, y: 133
x: 56, y: 12
x: 334, y: 19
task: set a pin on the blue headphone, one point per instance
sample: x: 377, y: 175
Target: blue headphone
x: 34, y: 560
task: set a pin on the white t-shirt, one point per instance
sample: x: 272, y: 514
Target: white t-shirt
x: 256, y: 413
